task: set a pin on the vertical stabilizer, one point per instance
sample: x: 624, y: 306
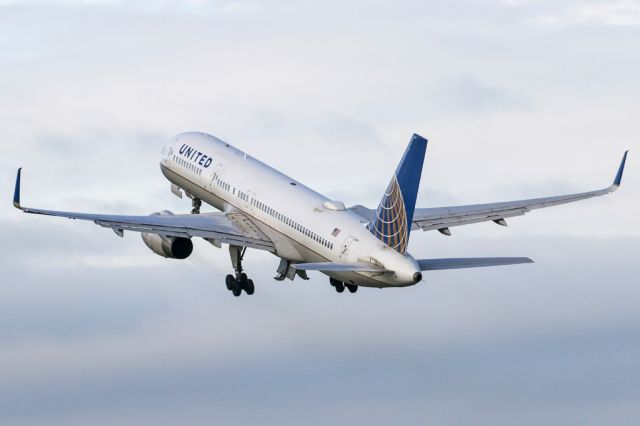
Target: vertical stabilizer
x: 392, y: 221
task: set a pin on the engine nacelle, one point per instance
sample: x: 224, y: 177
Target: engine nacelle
x: 170, y: 247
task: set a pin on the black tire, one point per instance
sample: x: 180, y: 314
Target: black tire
x: 249, y: 288
x: 236, y: 290
x: 243, y: 277
x: 229, y: 281
x: 340, y: 287
x: 352, y: 288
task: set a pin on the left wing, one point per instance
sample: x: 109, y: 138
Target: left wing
x: 226, y: 227
x: 441, y: 218
x: 339, y: 267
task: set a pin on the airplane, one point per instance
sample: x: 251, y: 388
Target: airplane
x: 262, y: 208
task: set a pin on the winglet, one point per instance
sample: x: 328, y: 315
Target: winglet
x: 618, y: 179
x: 16, y: 193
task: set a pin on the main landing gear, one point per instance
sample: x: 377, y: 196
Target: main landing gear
x: 340, y: 286
x: 240, y: 282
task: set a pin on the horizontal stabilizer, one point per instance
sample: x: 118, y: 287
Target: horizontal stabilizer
x: 339, y: 267
x: 469, y: 262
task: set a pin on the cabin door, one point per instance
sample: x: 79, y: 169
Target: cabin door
x: 215, y: 179
x: 344, y: 249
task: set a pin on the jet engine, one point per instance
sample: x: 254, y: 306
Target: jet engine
x: 165, y: 246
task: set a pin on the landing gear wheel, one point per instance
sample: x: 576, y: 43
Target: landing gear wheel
x: 351, y: 287
x: 236, y: 289
x: 249, y: 288
x: 229, y: 281
x: 240, y: 281
x: 339, y: 287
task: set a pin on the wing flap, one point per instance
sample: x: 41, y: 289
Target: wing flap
x: 339, y: 267
x: 466, y: 219
x: 470, y: 262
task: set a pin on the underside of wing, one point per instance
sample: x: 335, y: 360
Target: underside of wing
x: 339, y: 267
x: 470, y: 262
x: 442, y: 218
x: 226, y: 227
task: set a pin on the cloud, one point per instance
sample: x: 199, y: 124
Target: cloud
x: 204, y: 7
x: 617, y: 14
x: 199, y: 357
x: 465, y: 95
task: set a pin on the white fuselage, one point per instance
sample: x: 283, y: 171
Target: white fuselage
x: 304, y: 225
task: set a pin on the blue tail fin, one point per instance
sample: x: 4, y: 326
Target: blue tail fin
x: 392, y: 221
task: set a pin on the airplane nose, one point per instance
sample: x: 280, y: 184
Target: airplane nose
x: 417, y: 277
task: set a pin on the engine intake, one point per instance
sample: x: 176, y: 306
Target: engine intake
x: 170, y: 247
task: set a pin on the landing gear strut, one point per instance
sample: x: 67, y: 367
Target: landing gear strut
x: 340, y: 286
x: 196, y: 203
x: 240, y: 281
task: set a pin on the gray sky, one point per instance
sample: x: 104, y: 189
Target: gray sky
x: 518, y: 99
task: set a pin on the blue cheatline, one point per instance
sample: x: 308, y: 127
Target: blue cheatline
x: 392, y: 221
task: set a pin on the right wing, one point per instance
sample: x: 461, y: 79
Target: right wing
x: 225, y: 227
x: 442, y: 218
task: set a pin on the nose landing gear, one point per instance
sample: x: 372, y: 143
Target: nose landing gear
x: 196, y: 203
